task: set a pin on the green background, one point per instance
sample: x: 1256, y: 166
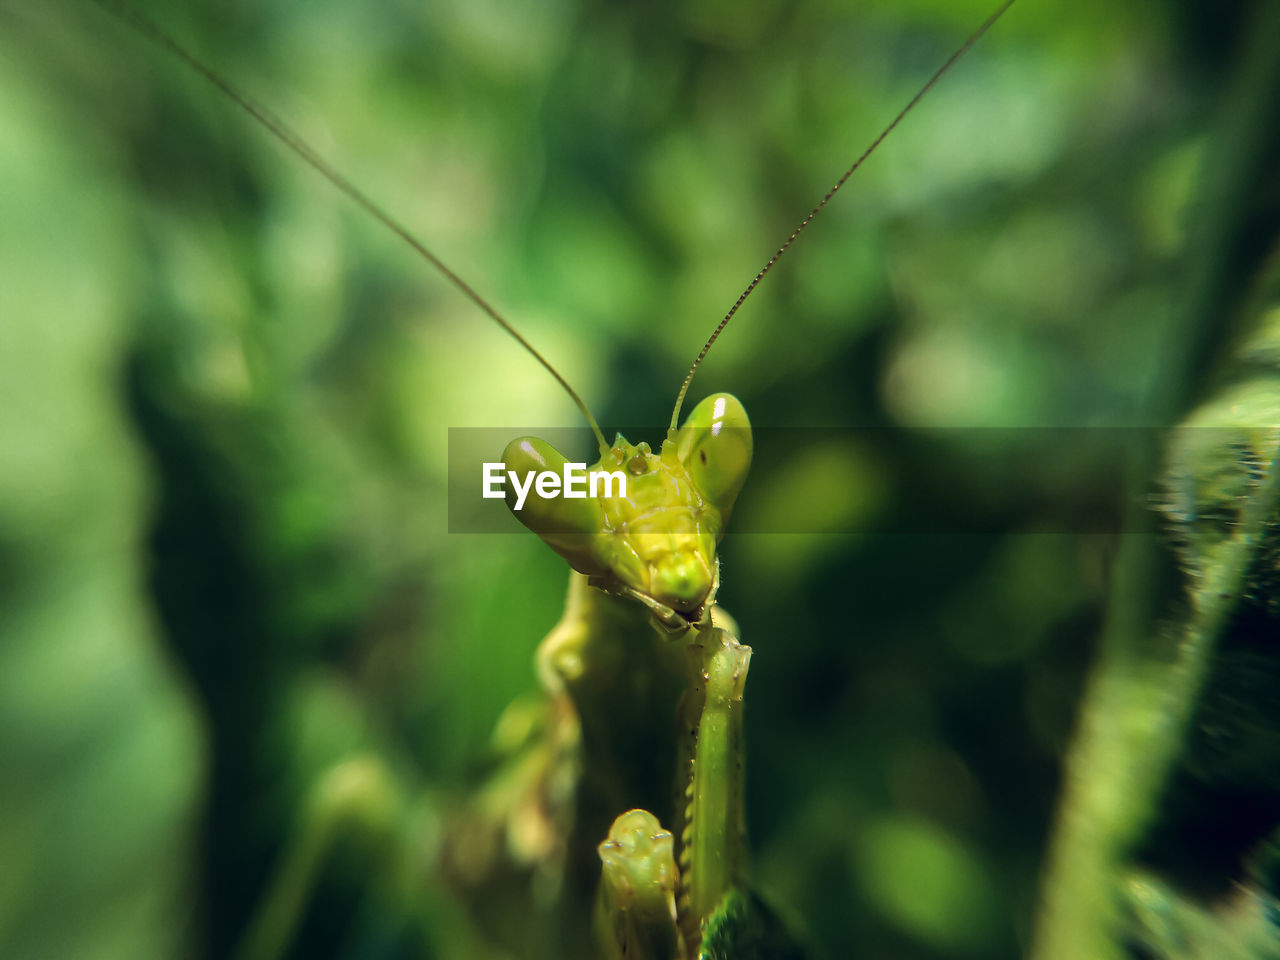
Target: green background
x: 224, y: 557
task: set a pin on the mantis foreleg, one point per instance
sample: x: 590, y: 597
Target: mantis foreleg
x: 713, y: 849
x: 636, y: 907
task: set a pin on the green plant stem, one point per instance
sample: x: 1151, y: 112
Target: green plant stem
x: 1136, y: 705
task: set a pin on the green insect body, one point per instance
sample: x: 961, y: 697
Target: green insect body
x: 600, y: 740
x: 611, y: 695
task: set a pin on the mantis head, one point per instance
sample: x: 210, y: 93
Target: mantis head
x: 657, y: 542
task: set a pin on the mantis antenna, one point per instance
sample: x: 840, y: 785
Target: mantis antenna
x: 795, y: 234
x: 282, y: 132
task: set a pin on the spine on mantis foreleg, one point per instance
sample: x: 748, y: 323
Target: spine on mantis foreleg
x: 713, y: 855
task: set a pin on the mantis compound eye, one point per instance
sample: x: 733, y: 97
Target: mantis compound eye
x: 560, y: 520
x: 715, y: 446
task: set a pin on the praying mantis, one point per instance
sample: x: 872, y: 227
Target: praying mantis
x: 709, y: 457
x: 269, y: 372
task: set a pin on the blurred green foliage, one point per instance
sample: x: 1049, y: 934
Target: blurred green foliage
x: 231, y: 609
